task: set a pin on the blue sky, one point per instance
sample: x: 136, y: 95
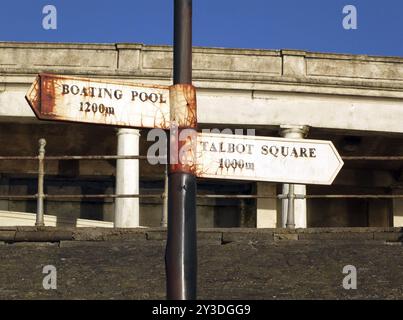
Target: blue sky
x: 314, y: 25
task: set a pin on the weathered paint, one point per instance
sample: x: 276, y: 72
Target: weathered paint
x: 99, y: 101
x: 183, y: 105
x: 224, y: 156
x: 182, y: 152
x: 183, y: 136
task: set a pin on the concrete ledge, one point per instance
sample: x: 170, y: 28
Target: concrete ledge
x: 43, y: 236
x: 343, y: 230
x: 105, y: 234
x: 205, y: 236
x: 210, y: 237
x: 156, y: 235
x: 101, y: 244
x: 8, y: 229
x: 389, y: 236
x: 285, y: 236
x: 37, y: 244
x: 7, y: 236
x: 247, y: 235
x: 337, y: 236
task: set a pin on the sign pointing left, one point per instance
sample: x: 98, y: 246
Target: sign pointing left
x: 63, y: 98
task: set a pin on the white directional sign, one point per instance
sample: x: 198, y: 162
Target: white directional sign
x: 238, y: 157
x: 108, y: 102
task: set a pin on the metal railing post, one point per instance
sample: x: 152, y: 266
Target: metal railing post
x: 41, y: 172
x: 290, y: 211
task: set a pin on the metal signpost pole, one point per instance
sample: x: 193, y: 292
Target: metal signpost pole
x: 181, y: 255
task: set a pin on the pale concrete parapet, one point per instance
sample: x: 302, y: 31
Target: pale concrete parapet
x: 47, y: 56
x: 265, y: 87
x: 129, y: 56
x: 294, y: 63
x: 244, y: 65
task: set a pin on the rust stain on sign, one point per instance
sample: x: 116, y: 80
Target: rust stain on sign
x: 33, y: 96
x: 100, y: 101
x: 183, y: 145
x: 183, y: 136
x: 183, y: 105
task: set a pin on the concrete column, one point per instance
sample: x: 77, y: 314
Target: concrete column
x: 127, y: 180
x: 294, y: 132
x: 266, y: 214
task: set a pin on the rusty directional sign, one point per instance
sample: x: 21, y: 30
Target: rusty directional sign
x: 220, y: 156
x: 99, y: 101
x: 238, y: 157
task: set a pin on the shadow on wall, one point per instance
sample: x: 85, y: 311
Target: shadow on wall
x: 348, y: 213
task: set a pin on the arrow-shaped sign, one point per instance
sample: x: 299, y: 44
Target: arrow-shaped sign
x: 237, y: 157
x: 63, y: 98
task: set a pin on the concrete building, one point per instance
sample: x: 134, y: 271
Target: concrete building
x: 354, y: 101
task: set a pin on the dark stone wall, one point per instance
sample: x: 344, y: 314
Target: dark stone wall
x: 233, y: 263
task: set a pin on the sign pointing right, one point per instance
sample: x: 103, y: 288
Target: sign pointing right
x: 237, y: 157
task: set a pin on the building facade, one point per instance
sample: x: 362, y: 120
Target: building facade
x: 354, y: 101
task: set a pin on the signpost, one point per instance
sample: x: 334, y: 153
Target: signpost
x: 181, y: 249
x: 237, y: 157
x: 220, y: 156
x: 97, y: 101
